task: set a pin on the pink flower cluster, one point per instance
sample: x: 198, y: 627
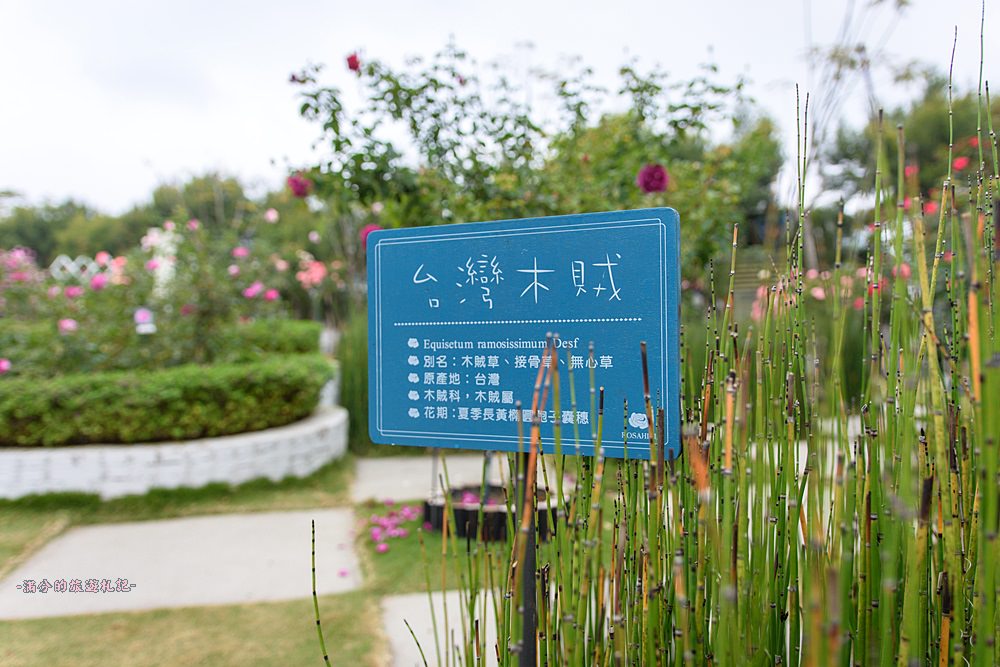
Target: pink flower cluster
x: 388, y: 526
x: 312, y: 274
x: 257, y: 289
x: 17, y: 265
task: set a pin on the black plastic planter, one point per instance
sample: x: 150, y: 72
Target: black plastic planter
x: 466, y: 502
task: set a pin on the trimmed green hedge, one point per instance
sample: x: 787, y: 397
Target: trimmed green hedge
x: 274, y: 336
x: 179, y: 403
x: 37, y: 350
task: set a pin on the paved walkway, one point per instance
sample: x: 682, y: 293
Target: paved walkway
x: 226, y: 559
x: 398, y: 610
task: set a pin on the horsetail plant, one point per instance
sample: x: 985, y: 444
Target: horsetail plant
x: 797, y: 525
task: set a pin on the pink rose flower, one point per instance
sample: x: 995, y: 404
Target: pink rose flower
x: 239, y: 252
x: 143, y: 316
x: 902, y: 271
x: 382, y: 547
x: 652, y: 178
x: 910, y: 170
x: 366, y: 230
x: 102, y: 258
x: 354, y: 62
x: 271, y: 295
x: 312, y: 275
x: 299, y: 185
x: 960, y: 163
x: 818, y: 293
x: 73, y: 291
x: 931, y: 207
x: 280, y: 265
x: 193, y: 224
x: 98, y: 282
x: 233, y: 270
x: 271, y: 215
x: 314, y: 236
x: 169, y: 225
x: 4, y: 365
x: 68, y: 325
x: 254, y: 289
x: 152, y: 265
x: 859, y: 303
x: 54, y: 291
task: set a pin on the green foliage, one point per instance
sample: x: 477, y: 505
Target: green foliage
x: 273, y: 336
x: 173, y: 404
x: 352, y: 353
x: 36, y: 349
x: 484, y: 154
x: 38, y: 227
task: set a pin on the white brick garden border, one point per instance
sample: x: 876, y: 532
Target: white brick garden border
x: 119, y: 470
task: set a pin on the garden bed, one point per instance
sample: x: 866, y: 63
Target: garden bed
x: 179, y: 403
x: 111, y: 471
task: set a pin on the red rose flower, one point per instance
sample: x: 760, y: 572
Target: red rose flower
x: 652, y: 178
x: 960, y: 163
x: 354, y: 62
x: 299, y: 184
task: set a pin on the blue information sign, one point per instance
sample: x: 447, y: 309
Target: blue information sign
x: 458, y: 317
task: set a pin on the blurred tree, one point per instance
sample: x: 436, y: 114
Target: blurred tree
x: 483, y: 153
x: 849, y: 165
x: 37, y: 227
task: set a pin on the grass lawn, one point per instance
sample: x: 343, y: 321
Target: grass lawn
x: 277, y: 633
x: 407, y: 566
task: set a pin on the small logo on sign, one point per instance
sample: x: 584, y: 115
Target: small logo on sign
x: 638, y: 420
x: 413, y: 343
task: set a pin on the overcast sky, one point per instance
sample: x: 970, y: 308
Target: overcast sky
x: 104, y: 100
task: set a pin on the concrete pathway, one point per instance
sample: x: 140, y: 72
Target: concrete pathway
x: 415, y: 610
x: 208, y: 560
x: 411, y: 477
